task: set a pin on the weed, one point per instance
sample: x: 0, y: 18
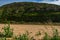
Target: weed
x: 7, y: 31
x: 55, y: 35
x: 46, y: 37
x: 38, y: 33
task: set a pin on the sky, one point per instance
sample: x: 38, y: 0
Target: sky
x: 3, y: 2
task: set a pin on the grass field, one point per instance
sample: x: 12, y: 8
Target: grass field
x: 37, y: 31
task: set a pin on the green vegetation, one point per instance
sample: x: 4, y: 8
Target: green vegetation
x: 38, y: 33
x: 24, y: 37
x: 46, y: 37
x: 25, y: 12
x: 7, y: 31
x: 55, y: 36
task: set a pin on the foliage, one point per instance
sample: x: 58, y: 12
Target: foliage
x: 7, y: 32
x: 24, y: 37
x: 46, y: 37
x: 55, y: 36
x: 22, y: 12
x: 38, y: 33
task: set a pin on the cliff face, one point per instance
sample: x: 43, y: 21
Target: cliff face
x: 30, y: 12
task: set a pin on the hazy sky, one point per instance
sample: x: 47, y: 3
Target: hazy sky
x: 2, y: 2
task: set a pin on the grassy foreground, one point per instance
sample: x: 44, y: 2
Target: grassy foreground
x: 7, y: 34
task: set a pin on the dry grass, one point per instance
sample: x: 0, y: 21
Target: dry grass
x: 32, y: 29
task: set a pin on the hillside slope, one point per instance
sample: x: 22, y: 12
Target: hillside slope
x: 29, y: 12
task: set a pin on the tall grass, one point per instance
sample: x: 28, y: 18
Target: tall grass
x: 46, y: 37
x: 8, y: 32
x: 24, y: 36
x: 55, y: 36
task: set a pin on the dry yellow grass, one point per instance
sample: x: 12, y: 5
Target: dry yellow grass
x: 32, y: 29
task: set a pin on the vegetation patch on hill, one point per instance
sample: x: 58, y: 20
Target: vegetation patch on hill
x: 25, y: 12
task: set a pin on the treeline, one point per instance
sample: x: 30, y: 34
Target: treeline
x: 30, y: 12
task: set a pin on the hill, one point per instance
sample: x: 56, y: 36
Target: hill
x: 21, y: 12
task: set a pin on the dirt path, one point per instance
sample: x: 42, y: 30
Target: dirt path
x: 33, y: 29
